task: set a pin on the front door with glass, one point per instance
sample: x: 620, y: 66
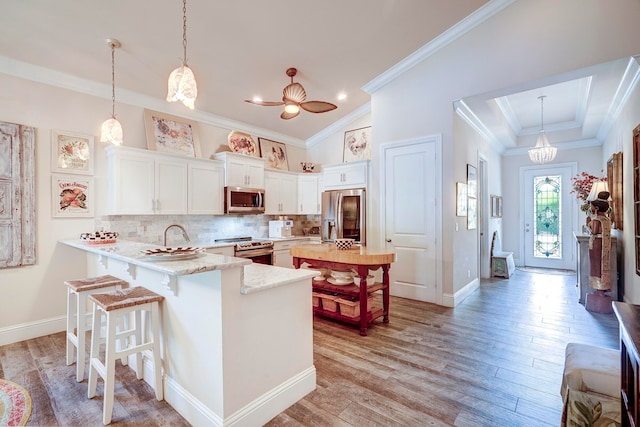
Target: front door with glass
x: 548, y: 218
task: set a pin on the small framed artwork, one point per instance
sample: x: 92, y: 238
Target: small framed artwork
x: 472, y: 181
x: 357, y: 144
x: 72, y: 196
x: 461, y: 199
x: 496, y: 206
x: 274, y: 153
x: 171, y: 134
x: 71, y: 152
x: 472, y: 213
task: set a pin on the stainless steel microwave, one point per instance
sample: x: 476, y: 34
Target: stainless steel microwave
x: 243, y: 200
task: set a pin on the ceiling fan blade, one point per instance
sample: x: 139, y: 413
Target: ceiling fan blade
x: 317, y: 106
x: 294, y: 92
x: 264, y: 103
x: 287, y: 116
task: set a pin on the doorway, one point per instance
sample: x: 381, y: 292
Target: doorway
x: 411, y: 216
x: 547, y: 216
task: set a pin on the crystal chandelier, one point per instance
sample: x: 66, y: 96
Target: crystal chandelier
x: 111, y: 128
x: 182, y: 83
x: 543, y: 152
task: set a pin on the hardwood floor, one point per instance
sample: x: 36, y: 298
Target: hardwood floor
x: 494, y: 360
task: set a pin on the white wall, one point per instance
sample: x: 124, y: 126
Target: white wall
x: 529, y: 40
x: 620, y: 139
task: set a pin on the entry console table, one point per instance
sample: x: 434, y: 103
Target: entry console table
x: 360, y: 259
x: 629, y: 318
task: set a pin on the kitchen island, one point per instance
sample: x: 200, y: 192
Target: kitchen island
x: 359, y: 259
x: 237, y: 337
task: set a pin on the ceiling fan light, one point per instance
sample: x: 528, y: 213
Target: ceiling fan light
x: 291, y: 108
x: 182, y: 86
x: 111, y: 132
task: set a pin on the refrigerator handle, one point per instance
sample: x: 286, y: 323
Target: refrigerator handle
x: 339, y: 215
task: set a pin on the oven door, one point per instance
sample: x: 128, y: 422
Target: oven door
x: 261, y: 255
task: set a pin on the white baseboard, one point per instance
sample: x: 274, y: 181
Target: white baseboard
x: 255, y: 413
x: 449, y: 300
x: 27, y: 331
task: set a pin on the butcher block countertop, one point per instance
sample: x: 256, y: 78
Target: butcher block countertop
x: 356, y: 255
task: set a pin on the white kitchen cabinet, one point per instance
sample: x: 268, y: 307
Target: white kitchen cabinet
x: 143, y: 182
x: 281, y: 255
x: 242, y: 170
x: 309, y: 194
x: 346, y: 175
x: 206, y: 187
x: 280, y: 193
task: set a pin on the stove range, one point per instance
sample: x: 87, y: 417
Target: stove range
x: 258, y: 250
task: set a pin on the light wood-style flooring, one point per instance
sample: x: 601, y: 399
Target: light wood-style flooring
x: 494, y: 360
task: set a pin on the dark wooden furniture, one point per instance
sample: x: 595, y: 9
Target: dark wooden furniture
x: 359, y: 259
x: 629, y: 318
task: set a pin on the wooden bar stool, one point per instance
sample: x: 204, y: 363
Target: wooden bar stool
x: 77, y: 314
x: 113, y: 305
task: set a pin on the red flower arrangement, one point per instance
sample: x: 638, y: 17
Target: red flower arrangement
x: 582, y: 184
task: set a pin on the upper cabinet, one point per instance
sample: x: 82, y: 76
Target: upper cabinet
x: 309, y: 189
x: 242, y: 170
x: 281, y: 192
x: 143, y: 182
x: 346, y: 175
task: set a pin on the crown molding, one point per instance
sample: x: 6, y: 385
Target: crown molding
x: 338, y: 125
x: 466, y: 114
x: 571, y: 145
x: 73, y: 83
x: 467, y: 24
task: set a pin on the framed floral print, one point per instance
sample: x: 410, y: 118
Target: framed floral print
x: 71, y: 152
x: 171, y: 134
x: 461, y: 199
x: 72, y: 196
x: 357, y: 144
x: 274, y: 154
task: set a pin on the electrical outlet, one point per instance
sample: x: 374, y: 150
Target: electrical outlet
x: 469, y: 273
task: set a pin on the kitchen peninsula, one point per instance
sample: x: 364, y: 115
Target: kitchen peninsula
x: 231, y: 354
x: 360, y: 259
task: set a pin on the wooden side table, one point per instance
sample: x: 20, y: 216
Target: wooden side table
x: 629, y: 318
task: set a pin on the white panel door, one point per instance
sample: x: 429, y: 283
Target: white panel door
x: 410, y: 181
x: 538, y: 251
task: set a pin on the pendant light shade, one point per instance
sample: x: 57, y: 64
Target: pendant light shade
x: 111, y: 128
x: 182, y: 83
x: 543, y: 152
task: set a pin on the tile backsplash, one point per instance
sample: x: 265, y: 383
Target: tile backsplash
x: 201, y: 228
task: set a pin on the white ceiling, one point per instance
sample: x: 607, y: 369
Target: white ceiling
x: 237, y: 49
x: 240, y: 49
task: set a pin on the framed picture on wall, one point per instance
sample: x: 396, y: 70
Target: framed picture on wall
x: 357, y: 144
x: 472, y: 181
x: 171, y: 134
x: 274, y: 153
x: 72, y: 196
x: 496, y: 206
x: 71, y: 152
x: 461, y: 199
x: 472, y: 213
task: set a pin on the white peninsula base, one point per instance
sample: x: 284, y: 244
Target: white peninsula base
x: 237, y: 339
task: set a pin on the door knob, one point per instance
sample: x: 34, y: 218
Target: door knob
x: 388, y: 240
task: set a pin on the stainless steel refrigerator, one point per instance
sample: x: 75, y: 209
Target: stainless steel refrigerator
x: 343, y: 215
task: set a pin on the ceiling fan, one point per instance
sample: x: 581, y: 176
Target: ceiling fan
x: 293, y: 98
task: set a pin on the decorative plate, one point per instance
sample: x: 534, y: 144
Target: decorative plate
x: 339, y: 282
x: 242, y: 143
x: 171, y: 254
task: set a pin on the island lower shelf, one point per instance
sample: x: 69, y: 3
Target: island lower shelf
x: 340, y: 296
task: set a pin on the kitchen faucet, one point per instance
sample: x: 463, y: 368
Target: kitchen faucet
x: 184, y: 233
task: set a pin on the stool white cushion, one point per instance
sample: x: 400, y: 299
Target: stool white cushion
x: 589, y: 368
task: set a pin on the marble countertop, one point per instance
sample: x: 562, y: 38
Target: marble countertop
x: 256, y: 277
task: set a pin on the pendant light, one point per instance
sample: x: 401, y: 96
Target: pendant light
x: 182, y: 83
x: 111, y: 128
x: 543, y: 152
